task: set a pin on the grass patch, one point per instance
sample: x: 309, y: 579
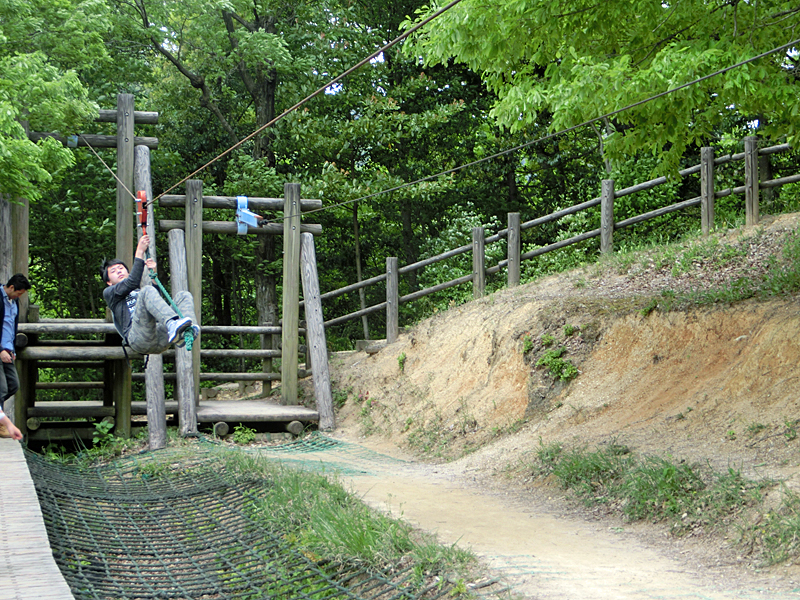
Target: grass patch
x: 688, y: 498
x: 318, y: 516
x: 560, y: 368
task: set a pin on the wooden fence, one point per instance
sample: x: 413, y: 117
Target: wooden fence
x: 513, y: 233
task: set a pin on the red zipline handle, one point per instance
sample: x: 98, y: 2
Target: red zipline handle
x: 141, y: 209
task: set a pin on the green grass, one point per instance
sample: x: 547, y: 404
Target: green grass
x: 317, y: 515
x: 560, y: 368
x: 686, y: 497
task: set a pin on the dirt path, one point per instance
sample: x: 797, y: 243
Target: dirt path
x: 533, y: 550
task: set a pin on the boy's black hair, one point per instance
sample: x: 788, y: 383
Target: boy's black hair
x: 110, y: 263
x: 19, y: 282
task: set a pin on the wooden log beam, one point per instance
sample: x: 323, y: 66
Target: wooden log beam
x: 239, y: 353
x: 255, y: 204
x: 221, y: 376
x: 780, y: 181
x: 184, y: 368
x: 72, y: 353
x: 95, y: 141
x: 514, y: 249
x: 751, y: 180
x: 6, y: 240
x: 68, y: 432
x: 140, y: 117
x: 67, y: 328
x: 65, y: 364
x: 70, y: 385
x: 392, y: 300
x: 229, y: 227
x: 607, y: 216
x: 659, y: 212
x: 318, y: 347
x: 193, y: 250
x: 154, y: 371
x: 236, y: 329
x: 479, y: 262
x: 291, y: 292
x: 71, y: 410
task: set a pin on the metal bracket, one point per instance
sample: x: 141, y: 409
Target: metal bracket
x: 244, y: 217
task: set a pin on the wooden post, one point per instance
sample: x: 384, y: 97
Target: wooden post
x: 125, y: 203
x: 194, y: 262
x: 122, y: 398
x: 186, y: 390
x: 28, y: 373
x: 514, y: 249
x: 392, y: 300
x: 125, y: 210
x: 154, y: 373
x: 315, y: 333
x: 478, y: 262
x: 6, y: 241
x: 291, y: 293
x: 606, y: 216
x: 765, y: 173
x: 706, y: 189
x: 751, y: 180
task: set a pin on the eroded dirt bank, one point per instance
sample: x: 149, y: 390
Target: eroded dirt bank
x: 718, y: 384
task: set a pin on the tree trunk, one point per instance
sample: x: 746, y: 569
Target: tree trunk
x: 362, y: 296
x: 266, y: 300
x: 409, y: 248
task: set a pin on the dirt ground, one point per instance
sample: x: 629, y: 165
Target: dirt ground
x: 461, y: 398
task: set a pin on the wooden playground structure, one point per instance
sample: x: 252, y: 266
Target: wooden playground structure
x: 50, y: 343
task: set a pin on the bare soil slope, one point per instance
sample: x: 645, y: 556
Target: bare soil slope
x: 716, y: 383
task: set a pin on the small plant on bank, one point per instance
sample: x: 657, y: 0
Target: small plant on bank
x: 548, y: 340
x: 559, y: 368
x: 243, y: 434
x: 340, y: 397
x: 401, y: 362
x: 790, y: 433
x: 569, y: 330
x: 102, y: 435
x: 527, y: 344
x: 649, y: 307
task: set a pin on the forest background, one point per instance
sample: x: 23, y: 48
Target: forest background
x: 483, y: 77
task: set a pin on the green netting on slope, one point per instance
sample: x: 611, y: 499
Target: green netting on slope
x: 131, y: 531
x: 318, y: 452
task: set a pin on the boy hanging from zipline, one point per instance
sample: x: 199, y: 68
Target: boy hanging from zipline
x: 146, y: 322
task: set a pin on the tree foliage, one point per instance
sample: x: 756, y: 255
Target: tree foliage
x: 40, y: 44
x: 578, y: 60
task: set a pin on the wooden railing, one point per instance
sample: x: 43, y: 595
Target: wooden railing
x: 513, y: 233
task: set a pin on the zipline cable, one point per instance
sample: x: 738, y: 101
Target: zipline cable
x: 549, y: 136
x: 314, y: 94
x: 110, y: 170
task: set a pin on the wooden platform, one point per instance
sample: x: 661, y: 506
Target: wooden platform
x: 27, y: 568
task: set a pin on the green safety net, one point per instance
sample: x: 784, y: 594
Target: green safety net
x: 133, y: 529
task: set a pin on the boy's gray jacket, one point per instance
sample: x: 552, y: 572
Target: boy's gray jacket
x: 116, y: 295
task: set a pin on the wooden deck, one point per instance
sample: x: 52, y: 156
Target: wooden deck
x: 27, y: 568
